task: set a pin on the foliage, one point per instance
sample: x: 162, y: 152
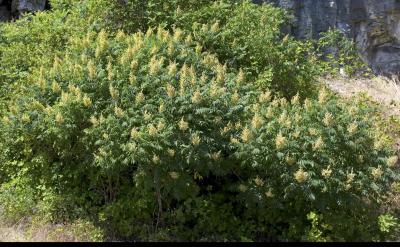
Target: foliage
x: 153, y: 108
x: 194, y: 117
x: 249, y: 37
x: 339, y: 52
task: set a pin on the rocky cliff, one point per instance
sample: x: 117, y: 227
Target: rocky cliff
x: 373, y: 24
x: 10, y: 9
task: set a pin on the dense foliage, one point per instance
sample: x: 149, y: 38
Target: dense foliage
x: 195, y: 120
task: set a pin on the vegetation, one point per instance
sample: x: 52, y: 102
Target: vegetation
x: 184, y: 120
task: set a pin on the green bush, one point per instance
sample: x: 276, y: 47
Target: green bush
x: 336, y: 52
x: 242, y: 34
x: 317, y: 157
x: 248, y: 36
x: 116, y: 108
x: 151, y: 137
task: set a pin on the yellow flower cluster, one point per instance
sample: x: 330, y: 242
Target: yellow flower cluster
x: 326, y: 173
x: 113, y: 92
x: 119, y: 112
x: 196, y: 140
x: 280, y: 141
x: 301, y: 176
x: 246, y: 135
x: 196, y: 98
x: 59, y: 118
x: 328, y: 118
x: 392, y: 161
x: 377, y: 172
x: 352, y: 128
x: 183, y: 125
x: 258, y: 181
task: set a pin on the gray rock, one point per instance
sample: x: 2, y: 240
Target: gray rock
x: 22, y: 6
x: 5, y: 14
x: 374, y: 26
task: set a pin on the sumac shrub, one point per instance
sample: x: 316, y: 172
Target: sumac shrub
x: 248, y: 36
x: 154, y: 138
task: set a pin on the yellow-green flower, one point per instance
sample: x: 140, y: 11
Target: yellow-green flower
x: 113, y: 92
x: 377, y: 172
x: 139, y: 98
x: 132, y: 78
x: 196, y: 98
x: 91, y: 69
x: 87, y: 101
x: 269, y: 193
x: 135, y: 134
x: 59, y: 118
x: 280, y: 141
x: 301, y: 176
x: 270, y: 112
x: 118, y: 112
x: 172, y: 69
x: 161, y: 108
x: 152, y: 130
x: 196, y: 140
x: 235, y: 97
x: 234, y: 140
x: 296, y: 134
x: 290, y: 160
x: 265, y: 97
x: 318, y: 144
x: 322, y: 96
x: 147, y: 116
x: 183, y: 125
x: 174, y: 175
x: 246, y: 135
x: 216, y: 156
x: 282, y: 117
x: 328, y: 118
x: 392, y: 161
x: 352, y: 128
x: 170, y: 90
x: 241, y: 77
x: 94, y: 120
x: 25, y: 118
x: 55, y: 87
x: 256, y: 122
x: 313, y: 131
x: 242, y: 188
x: 258, y: 181
x: 160, y: 125
x: 156, y: 159
x: 171, y: 152
x: 307, y: 104
x: 296, y: 99
x: 326, y: 173
x: 6, y: 120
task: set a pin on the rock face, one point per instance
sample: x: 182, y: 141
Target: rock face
x: 374, y: 25
x: 14, y: 8
x: 22, y: 6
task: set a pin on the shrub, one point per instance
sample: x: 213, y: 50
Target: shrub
x: 337, y: 52
x: 319, y: 157
x: 248, y: 36
x: 148, y: 106
x: 35, y: 39
x: 148, y: 125
x: 242, y: 34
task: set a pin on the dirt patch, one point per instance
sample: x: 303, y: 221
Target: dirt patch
x: 381, y: 89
